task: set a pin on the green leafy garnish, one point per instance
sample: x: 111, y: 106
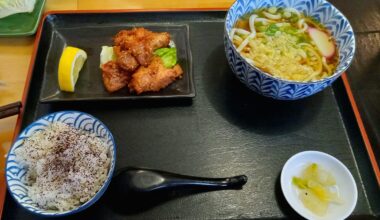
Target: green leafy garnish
x: 168, y: 56
x: 271, y: 30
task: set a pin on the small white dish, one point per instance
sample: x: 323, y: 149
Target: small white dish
x: 346, y: 185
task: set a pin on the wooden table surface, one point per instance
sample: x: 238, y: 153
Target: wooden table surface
x: 15, y: 53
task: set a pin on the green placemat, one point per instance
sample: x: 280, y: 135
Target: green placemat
x: 22, y: 24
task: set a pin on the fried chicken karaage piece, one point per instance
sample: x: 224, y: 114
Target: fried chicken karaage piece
x: 154, y: 77
x: 114, y: 78
x: 126, y: 61
x: 141, y: 43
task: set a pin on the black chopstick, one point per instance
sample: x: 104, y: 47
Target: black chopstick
x: 10, y: 109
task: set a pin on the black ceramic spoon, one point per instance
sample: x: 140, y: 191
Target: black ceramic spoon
x: 140, y: 181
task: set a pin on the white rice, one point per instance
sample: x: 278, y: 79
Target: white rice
x: 66, y: 166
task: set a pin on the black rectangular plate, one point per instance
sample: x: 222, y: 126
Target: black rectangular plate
x: 90, y: 38
x: 226, y: 130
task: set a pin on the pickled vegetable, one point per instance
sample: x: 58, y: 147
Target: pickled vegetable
x: 313, y: 203
x: 315, y: 192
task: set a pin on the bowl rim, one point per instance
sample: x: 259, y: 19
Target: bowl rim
x: 330, y: 157
x: 97, y: 195
x: 332, y: 77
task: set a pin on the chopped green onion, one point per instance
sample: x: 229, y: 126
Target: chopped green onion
x: 272, y: 10
x: 294, y: 18
x: 287, y: 14
x: 262, y: 28
x: 271, y: 30
x: 289, y: 30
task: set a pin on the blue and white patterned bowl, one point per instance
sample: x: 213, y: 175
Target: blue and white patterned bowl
x: 15, y: 173
x: 267, y: 85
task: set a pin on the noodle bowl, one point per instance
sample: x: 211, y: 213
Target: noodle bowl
x: 335, y: 41
x: 286, y: 44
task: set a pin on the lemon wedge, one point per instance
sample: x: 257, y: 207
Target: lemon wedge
x: 70, y: 64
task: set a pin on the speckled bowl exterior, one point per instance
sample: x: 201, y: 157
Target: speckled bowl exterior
x: 267, y: 85
x: 15, y: 173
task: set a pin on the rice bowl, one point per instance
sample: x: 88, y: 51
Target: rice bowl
x: 65, y: 166
x: 71, y: 184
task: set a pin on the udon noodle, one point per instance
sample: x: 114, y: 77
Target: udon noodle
x: 285, y: 43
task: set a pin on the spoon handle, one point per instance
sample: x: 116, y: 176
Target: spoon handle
x: 147, y: 180
x: 229, y: 182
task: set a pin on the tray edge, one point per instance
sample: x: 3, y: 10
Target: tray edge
x: 354, y: 107
x: 363, y: 132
